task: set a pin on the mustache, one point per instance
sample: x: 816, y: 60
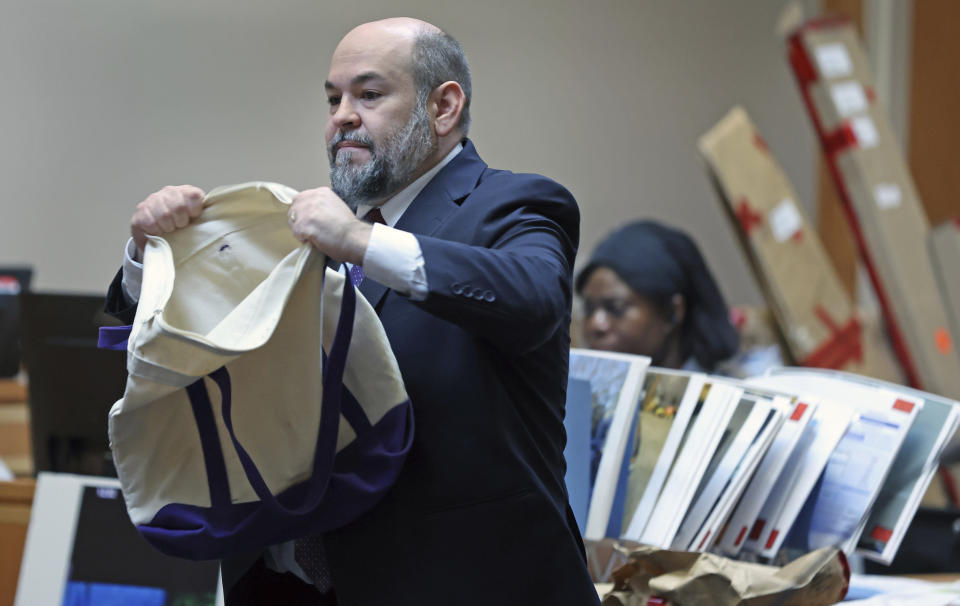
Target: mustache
x: 352, y: 136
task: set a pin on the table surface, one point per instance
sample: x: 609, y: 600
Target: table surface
x: 12, y: 391
x: 15, y: 427
x: 939, y: 577
x: 16, y: 498
x: 19, y: 491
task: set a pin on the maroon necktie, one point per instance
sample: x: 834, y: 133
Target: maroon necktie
x: 312, y: 558
x: 373, y: 216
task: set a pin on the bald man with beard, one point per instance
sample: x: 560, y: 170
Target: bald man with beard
x: 469, y: 269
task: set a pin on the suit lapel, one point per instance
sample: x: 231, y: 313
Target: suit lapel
x: 443, y: 193
x: 428, y: 211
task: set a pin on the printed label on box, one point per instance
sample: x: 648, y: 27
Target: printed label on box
x: 865, y: 131
x: 833, y: 60
x: 801, y: 335
x: 849, y: 98
x: 887, y: 195
x: 785, y: 220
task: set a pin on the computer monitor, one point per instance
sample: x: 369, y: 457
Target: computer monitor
x: 72, y: 383
x: 13, y: 280
x: 82, y: 550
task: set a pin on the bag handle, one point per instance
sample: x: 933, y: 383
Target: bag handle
x: 329, y: 414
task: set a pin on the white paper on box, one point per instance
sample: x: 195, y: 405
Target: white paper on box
x: 833, y: 60
x: 801, y: 334
x: 865, y: 131
x: 848, y: 97
x: 887, y: 195
x: 785, y: 220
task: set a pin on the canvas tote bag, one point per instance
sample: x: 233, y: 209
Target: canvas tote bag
x: 263, y: 402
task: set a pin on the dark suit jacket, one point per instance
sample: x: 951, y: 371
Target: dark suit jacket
x: 479, y: 515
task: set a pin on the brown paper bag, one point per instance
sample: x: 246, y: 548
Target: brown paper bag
x: 679, y: 578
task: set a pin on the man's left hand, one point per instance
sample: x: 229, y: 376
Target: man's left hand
x: 320, y: 217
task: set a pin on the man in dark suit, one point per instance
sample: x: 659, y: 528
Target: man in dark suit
x: 471, y: 276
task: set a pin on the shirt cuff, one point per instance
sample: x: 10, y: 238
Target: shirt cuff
x: 394, y: 259
x: 282, y: 558
x: 132, y: 273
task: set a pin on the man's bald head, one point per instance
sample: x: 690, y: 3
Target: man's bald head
x: 401, y: 27
x: 434, y: 56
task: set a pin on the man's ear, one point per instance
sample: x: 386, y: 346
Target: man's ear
x: 449, y: 101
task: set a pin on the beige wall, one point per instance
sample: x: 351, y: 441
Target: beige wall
x: 106, y: 100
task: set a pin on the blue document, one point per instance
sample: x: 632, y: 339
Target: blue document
x: 577, y: 451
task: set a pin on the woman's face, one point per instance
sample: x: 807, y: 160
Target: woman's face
x: 616, y: 318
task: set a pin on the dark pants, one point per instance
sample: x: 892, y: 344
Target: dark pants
x: 261, y: 586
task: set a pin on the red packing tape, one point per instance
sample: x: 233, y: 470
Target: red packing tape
x: 800, y: 61
x: 842, y: 346
x: 840, y: 139
x: 761, y: 143
x: 749, y: 219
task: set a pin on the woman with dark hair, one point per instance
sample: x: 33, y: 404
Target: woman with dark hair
x: 648, y: 291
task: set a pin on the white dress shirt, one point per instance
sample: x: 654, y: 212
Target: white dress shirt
x: 393, y: 257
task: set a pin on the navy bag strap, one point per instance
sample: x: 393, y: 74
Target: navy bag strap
x: 326, y: 448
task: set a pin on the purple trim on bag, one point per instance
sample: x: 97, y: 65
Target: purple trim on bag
x: 113, y: 337
x: 363, y: 472
x: 325, y: 450
x: 342, y: 486
x: 352, y: 411
x: 213, y: 461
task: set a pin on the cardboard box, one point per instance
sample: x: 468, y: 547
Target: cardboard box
x: 819, y: 322
x: 945, y: 255
x: 16, y: 499
x: 15, y: 450
x: 879, y: 197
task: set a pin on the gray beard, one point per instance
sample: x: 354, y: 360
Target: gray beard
x: 391, y: 165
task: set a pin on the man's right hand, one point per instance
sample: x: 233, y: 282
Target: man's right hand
x: 165, y: 211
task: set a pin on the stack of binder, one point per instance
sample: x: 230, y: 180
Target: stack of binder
x: 758, y: 469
